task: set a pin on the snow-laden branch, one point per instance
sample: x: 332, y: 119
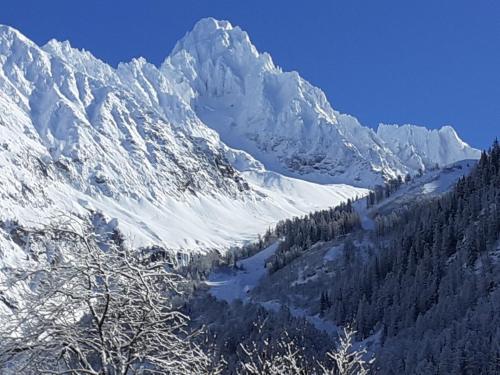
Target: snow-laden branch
x: 283, y: 356
x: 98, y: 310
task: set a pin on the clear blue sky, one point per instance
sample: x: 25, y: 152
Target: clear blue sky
x: 431, y: 62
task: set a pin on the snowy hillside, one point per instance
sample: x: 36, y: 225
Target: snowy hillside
x: 202, y: 217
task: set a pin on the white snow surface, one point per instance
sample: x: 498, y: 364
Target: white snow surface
x: 204, y: 152
x: 229, y: 285
x: 433, y: 183
x: 333, y: 253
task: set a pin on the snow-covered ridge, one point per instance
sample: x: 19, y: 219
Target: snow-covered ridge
x: 422, y: 148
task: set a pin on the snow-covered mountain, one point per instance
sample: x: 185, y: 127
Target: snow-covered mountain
x: 421, y: 148
x: 78, y: 135
x: 281, y: 119
x: 204, y: 152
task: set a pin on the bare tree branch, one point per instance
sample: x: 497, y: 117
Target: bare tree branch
x: 99, y: 309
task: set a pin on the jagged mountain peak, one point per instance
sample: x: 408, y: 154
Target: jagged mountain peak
x: 18, y: 51
x: 215, y: 37
x: 9, y: 34
x: 80, y: 59
x: 416, y: 129
x: 210, y: 24
x: 278, y: 117
x: 216, y: 47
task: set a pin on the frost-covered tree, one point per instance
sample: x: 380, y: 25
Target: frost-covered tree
x: 348, y: 359
x: 283, y: 356
x: 97, y: 308
x: 277, y: 357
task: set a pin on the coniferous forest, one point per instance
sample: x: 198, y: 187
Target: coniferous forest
x: 299, y: 234
x: 432, y: 290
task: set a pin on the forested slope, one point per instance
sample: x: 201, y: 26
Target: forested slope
x: 432, y: 289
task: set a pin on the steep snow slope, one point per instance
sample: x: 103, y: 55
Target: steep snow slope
x: 78, y: 135
x: 421, y: 148
x: 278, y: 117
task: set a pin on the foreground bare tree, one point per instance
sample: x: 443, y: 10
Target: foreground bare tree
x: 348, y: 359
x: 279, y: 359
x: 97, y: 308
x: 284, y: 357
